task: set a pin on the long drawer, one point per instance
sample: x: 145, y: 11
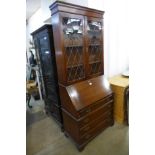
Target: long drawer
x: 92, y: 133
x: 95, y: 106
x: 95, y: 114
x: 83, y: 130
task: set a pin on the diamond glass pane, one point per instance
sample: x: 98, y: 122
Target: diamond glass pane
x: 94, y: 31
x: 73, y: 43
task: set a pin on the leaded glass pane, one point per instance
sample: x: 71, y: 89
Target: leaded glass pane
x: 94, y: 31
x: 73, y: 44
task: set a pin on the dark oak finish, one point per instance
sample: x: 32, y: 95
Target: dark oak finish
x: 78, y: 40
x: 86, y: 97
x: 59, y: 6
x: 87, y: 109
x: 43, y: 40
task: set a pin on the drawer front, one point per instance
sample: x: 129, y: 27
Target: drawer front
x: 92, y: 133
x: 96, y: 114
x: 101, y: 102
x: 107, y: 115
x: 84, y: 112
x: 95, y: 106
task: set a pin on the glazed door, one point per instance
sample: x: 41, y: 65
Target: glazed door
x: 94, y: 46
x: 47, y: 62
x: 73, y: 46
x: 36, y: 44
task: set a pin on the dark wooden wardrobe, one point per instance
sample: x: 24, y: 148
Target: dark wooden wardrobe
x: 86, y: 97
x: 44, y: 46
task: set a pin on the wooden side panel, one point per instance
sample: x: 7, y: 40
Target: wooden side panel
x: 70, y: 126
x: 66, y: 102
x: 58, y: 48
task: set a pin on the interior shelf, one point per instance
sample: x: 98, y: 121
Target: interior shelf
x: 94, y: 45
x: 73, y: 66
x: 69, y: 46
x: 93, y: 62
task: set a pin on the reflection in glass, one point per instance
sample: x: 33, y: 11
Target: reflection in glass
x: 94, y: 30
x: 73, y: 29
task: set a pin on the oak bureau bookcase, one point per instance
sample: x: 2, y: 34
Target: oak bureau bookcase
x: 86, y: 97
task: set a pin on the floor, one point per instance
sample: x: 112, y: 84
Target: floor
x: 44, y: 137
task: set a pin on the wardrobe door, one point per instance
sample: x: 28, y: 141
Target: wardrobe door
x: 94, y: 50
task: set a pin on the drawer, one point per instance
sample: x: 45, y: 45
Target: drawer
x: 83, y: 130
x: 84, y: 112
x: 95, y: 106
x: 101, y: 102
x: 92, y: 133
x: 95, y: 114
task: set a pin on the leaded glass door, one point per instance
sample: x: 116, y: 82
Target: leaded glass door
x: 94, y: 30
x: 73, y: 36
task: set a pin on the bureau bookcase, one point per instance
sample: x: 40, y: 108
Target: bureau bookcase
x: 86, y: 97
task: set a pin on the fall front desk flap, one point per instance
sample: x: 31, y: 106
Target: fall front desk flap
x: 84, y: 93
